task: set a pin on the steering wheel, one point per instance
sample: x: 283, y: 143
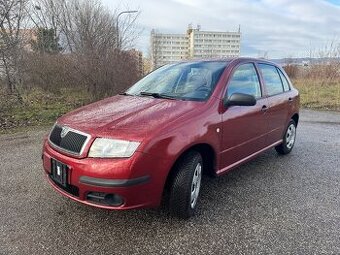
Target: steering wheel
x: 203, y: 89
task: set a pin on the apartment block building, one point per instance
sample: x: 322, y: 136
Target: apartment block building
x: 194, y: 44
x: 168, y: 48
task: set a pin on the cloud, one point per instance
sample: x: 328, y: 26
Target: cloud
x: 282, y: 28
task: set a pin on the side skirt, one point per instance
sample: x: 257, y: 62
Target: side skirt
x: 246, y: 159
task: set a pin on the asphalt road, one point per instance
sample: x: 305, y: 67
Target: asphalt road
x: 272, y: 205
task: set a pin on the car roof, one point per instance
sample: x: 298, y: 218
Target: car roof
x: 230, y: 60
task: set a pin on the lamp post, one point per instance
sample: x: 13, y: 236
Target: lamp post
x: 117, y: 25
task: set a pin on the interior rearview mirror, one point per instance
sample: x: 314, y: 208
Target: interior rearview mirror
x: 240, y: 99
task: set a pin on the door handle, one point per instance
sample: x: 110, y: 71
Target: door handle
x: 290, y: 99
x: 264, y: 108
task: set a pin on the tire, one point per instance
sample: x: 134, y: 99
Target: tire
x: 288, y: 139
x: 186, y: 184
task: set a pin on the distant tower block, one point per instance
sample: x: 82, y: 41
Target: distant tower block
x: 195, y: 44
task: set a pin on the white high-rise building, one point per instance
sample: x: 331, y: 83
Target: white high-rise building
x: 168, y: 48
x: 195, y: 44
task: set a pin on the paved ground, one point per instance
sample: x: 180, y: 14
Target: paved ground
x: 273, y: 205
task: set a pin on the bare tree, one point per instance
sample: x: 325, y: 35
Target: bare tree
x: 12, y: 39
x: 83, y: 25
x: 87, y: 33
x: 128, y: 29
x: 94, y: 29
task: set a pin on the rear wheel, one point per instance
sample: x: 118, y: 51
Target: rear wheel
x: 288, y: 140
x: 186, y: 185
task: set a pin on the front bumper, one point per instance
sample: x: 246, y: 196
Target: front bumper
x: 138, y: 181
x: 113, y: 182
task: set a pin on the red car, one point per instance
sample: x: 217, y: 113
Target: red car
x: 163, y: 133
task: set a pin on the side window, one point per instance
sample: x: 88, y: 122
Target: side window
x: 284, y: 81
x: 245, y: 80
x: 272, y: 79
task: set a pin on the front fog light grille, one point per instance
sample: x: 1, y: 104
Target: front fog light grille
x: 105, y: 198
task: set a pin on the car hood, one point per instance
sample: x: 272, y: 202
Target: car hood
x: 120, y: 116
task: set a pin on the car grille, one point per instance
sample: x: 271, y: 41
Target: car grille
x: 72, y: 142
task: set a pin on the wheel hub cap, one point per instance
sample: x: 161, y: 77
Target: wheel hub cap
x: 196, y: 184
x: 290, y: 136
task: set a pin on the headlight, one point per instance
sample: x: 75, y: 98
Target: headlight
x: 112, y: 148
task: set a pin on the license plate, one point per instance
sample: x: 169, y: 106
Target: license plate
x: 59, y: 172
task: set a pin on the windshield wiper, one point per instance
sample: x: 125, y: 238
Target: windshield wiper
x: 125, y: 94
x: 157, y: 95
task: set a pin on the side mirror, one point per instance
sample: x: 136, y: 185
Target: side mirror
x: 240, y: 99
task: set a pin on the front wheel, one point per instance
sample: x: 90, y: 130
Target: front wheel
x: 288, y: 140
x: 186, y: 185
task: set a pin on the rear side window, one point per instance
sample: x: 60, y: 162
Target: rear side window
x: 284, y: 81
x: 272, y: 79
x: 245, y: 80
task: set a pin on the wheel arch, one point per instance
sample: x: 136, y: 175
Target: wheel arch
x: 295, y: 117
x: 209, y: 158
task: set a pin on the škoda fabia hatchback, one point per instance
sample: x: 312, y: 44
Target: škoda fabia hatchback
x: 177, y: 123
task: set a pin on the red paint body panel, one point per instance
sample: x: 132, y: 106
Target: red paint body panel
x: 166, y: 129
x: 244, y: 132
x: 139, y: 164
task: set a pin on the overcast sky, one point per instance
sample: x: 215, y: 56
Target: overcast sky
x: 282, y: 28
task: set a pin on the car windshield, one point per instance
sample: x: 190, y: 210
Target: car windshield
x: 186, y: 81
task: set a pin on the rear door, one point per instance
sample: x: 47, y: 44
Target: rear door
x: 278, y: 101
x: 244, y: 127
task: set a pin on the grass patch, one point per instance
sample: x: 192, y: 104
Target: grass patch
x: 316, y: 95
x: 37, y: 108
